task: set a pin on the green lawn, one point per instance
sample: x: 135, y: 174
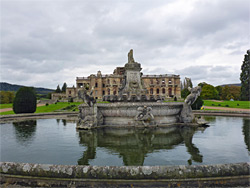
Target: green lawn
x: 230, y: 104
x: 5, y: 106
x: 52, y: 107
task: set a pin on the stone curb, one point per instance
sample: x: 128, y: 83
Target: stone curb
x: 124, y: 172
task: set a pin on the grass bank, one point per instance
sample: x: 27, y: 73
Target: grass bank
x: 60, y: 106
x: 230, y: 104
x: 5, y: 106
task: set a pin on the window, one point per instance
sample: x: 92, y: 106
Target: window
x: 157, y: 81
x: 170, y: 92
x: 163, y: 91
x: 151, y: 91
x: 103, y: 92
x: 103, y: 85
x: 157, y: 91
x: 108, y: 91
x: 151, y: 81
x: 163, y: 81
x: 114, y: 92
x: 96, y: 84
x: 170, y: 82
x: 69, y: 92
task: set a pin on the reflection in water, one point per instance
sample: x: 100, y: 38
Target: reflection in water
x: 25, y: 131
x: 133, y: 145
x: 246, y: 132
x: 64, y: 122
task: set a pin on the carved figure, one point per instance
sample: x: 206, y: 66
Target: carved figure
x: 88, y: 99
x: 192, y: 97
x: 130, y: 56
x: 144, y: 114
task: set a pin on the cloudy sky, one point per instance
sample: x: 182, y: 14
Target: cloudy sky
x: 47, y: 42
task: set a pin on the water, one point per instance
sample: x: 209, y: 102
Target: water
x: 54, y: 141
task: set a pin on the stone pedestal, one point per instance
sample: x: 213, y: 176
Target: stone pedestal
x: 89, y: 117
x: 186, y: 114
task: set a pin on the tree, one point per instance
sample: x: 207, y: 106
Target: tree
x: 187, y: 83
x: 184, y: 93
x: 219, y: 90
x: 6, y: 97
x: 64, y: 87
x: 209, y: 92
x: 197, y: 104
x: 245, y: 78
x: 230, y: 92
x: 25, y: 101
x: 58, y: 90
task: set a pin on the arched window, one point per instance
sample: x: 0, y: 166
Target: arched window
x: 157, y: 91
x: 170, y: 92
x: 96, y: 84
x: 163, y: 91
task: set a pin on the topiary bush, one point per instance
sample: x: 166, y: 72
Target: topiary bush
x: 25, y: 101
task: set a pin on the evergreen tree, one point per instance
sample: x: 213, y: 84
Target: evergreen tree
x: 245, y: 78
x: 64, y: 87
x: 58, y: 90
x: 25, y: 101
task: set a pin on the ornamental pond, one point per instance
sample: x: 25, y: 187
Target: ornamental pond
x: 56, y: 141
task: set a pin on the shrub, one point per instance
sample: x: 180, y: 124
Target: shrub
x: 212, y: 104
x: 25, y: 101
x: 47, y: 104
x: 238, y: 104
x: 198, y: 104
x: 227, y: 105
x: 219, y: 104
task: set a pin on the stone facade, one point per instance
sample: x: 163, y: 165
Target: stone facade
x: 162, y: 86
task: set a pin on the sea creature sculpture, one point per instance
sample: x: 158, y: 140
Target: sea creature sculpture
x: 192, y: 97
x: 88, y: 99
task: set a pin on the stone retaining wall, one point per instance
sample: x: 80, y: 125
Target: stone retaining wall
x: 208, y: 175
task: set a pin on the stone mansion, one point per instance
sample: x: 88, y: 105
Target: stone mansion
x: 166, y: 86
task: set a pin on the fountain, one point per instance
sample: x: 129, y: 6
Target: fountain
x: 132, y: 107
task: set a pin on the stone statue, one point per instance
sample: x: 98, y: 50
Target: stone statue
x: 130, y: 56
x: 192, y: 97
x: 144, y: 115
x: 88, y: 99
x: 186, y: 114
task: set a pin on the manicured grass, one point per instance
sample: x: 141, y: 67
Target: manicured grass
x: 52, y: 107
x: 5, y: 106
x: 55, y: 107
x: 230, y: 104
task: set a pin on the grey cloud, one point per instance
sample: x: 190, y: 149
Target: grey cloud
x: 215, y: 75
x: 43, y: 38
